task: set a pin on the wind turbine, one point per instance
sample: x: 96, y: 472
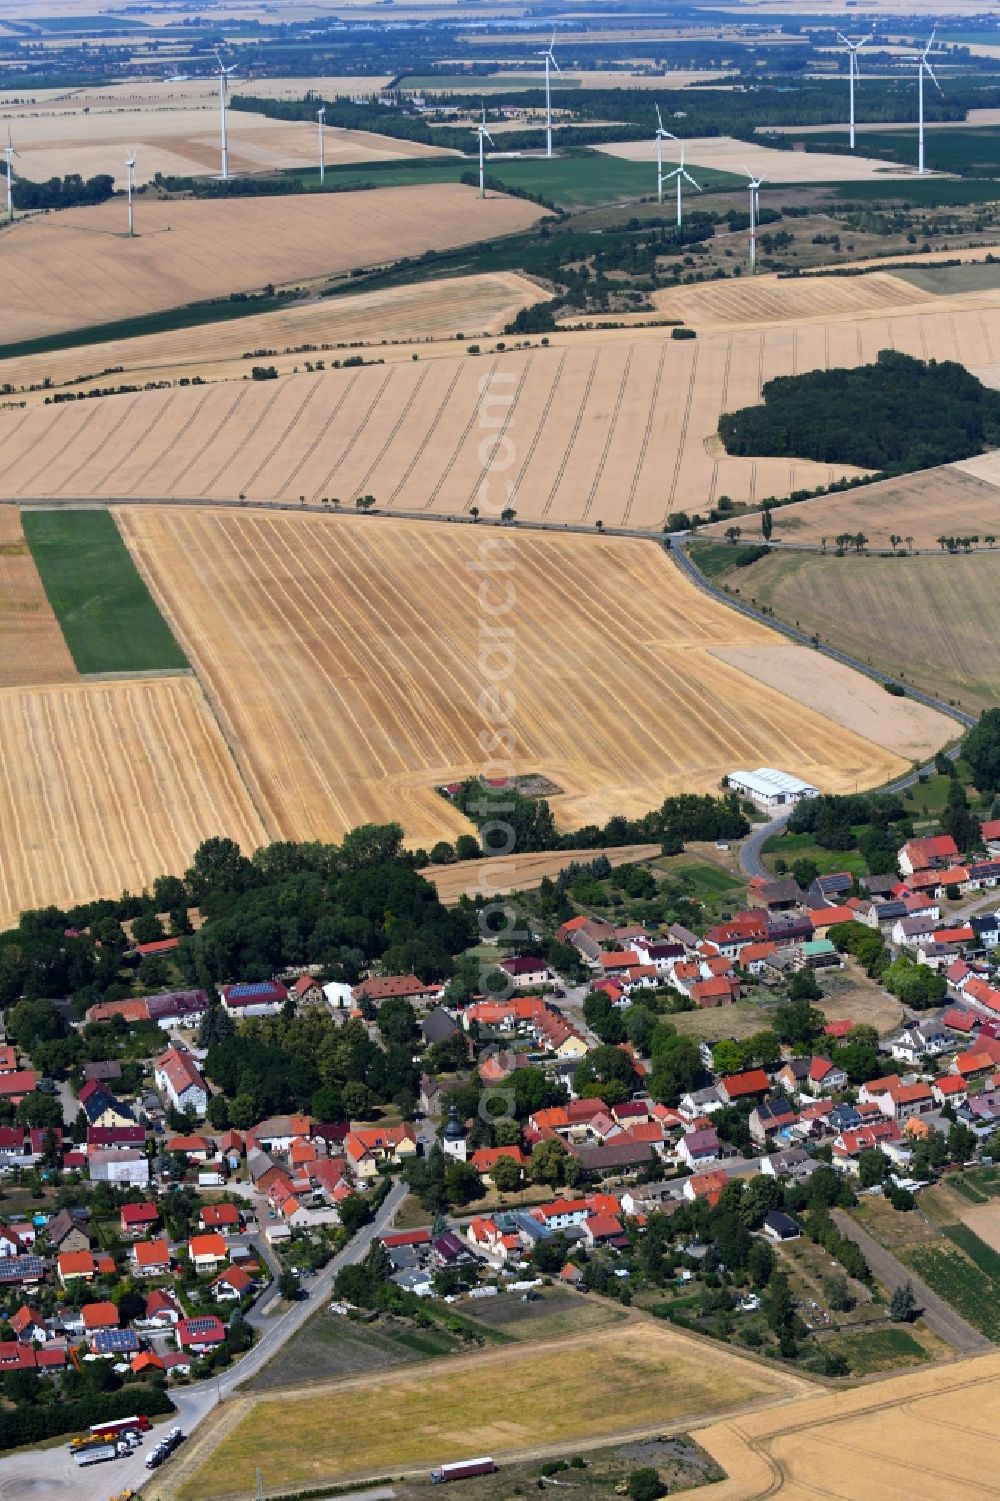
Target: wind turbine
x: 223, y: 75
x: 923, y: 66
x: 9, y: 155
x: 550, y: 61
x: 321, y: 116
x: 681, y: 172
x: 754, y: 184
x: 853, y: 48
x: 661, y: 136
x: 129, y: 188
x: 484, y: 136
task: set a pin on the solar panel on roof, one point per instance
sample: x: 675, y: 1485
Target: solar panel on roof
x: 21, y: 1268
x: 202, y: 1326
x: 116, y: 1341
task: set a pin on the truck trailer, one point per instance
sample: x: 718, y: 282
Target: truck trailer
x: 462, y: 1469
x: 113, y: 1449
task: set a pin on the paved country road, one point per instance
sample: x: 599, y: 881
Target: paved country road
x: 940, y: 1316
x: 53, y: 1475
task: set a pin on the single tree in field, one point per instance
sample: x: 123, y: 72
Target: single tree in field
x: 822, y: 544
x: 860, y: 541
x: 909, y: 543
x: 766, y: 524
x: 894, y: 541
x: 599, y: 525
x: 508, y: 514
x: 733, y: 532
x: 942, y: 542
x: 842, y: 539
x: 990, y: 539
x: 474, y: 512
x: 903, y: 1304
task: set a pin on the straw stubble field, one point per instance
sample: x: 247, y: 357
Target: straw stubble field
x: 106, y: 785
x: 188, y: 250
x: 184, y: 142
x: 428, y: 310
x: 354, y: 691
x: 32, y: 649
x: 619, y: 430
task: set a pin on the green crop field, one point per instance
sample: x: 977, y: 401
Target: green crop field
x: 972, y: 153
x: 960, y: 1281
x: 934, y: 192
x: 103, y: 607
x: 582, y: 181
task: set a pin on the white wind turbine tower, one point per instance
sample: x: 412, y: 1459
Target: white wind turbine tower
x: 681, y: 172
x: 754, y: 184
x: 9, y: 155
x: 321, y: 117
x: 923, y: 66
x: 661, y: 136
x: 853, y: 48
x: 550, y: 61
x: 223, y: 76
x: 484, y: 136
x: 129, y: 189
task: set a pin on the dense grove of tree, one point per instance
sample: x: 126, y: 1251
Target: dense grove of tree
x: 896, y: 415
x: 343, y: 906
x: 72, y: 1404
x: 982, y: 751
x: 66, y: 192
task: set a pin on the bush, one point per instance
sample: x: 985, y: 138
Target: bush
x: 896, y: 689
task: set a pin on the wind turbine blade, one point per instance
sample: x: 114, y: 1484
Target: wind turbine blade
x: 933, y: 76
x: 865, y: 40
x: 555, y: 64
x: 842, y: 38
x: 689, y: 178
x: 659, y: 118
x: 489, y: 138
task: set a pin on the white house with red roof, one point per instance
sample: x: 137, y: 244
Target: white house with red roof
x: 177, y: 1076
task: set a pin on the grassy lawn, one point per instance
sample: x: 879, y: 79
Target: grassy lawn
x: 792, y: 847
x: 742, y: 1019
x: 878, y: 1350
x: 544, y: 1394
x: 103, y: 607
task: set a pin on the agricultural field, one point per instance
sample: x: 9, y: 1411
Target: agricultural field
x: 32, y: 647
x: 618, y: 429
x: 107, y: 618
x: 590, y: 78
x: 724, y: 154
x: 422, y: 311
x: 612, y: 426
x: 769, y: 298
x: 927, y: 1433
x: 542, y: 1395
x: 957, y: 499
x: 191, y: 249
x: 865, y: 606
x: 106, y: 785
x: 356, y: 694
x: 183, y: 142
x: 329, y: 1346
x: 521, y: 872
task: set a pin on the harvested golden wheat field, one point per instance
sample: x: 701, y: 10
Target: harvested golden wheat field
x: 617, y: 430
x: 930, y: 1434
x: 32, y: 649
x: 724, y: 154
x: 106, y: 785
x: 773, y: 299
x: 521, y: 872
x: 184, y: 142
x: 919, y: 508
x: 426, y: 310
x: 191, y: 249
x: 341, y: 657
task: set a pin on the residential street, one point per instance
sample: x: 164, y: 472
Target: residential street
x: 53, y: 1474
x: 942, y: 1319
